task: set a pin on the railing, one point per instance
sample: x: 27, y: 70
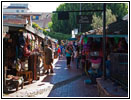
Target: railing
x: 119, y: 69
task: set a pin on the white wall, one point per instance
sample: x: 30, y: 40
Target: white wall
x: 14, y: 10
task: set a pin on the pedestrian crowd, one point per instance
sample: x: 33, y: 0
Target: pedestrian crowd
x: 70, y: 51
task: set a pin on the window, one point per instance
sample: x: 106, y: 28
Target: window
x: 4, y: 17
x: 34, y: 17
x: 37, y: 17
x: 17, y: 11
x: 22, y: 10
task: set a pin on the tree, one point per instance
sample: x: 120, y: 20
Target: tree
x: 45, y: 32
x: 97, y: 22
x: 66, y: 26
x: 50, y: 25
x: 118, y: 9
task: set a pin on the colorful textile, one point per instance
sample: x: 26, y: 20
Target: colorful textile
x: 116, y: 39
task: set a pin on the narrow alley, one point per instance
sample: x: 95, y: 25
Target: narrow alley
x: 70, y: 82
x: 65, y: 50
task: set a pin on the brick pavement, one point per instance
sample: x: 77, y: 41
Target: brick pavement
x: 62, y: 72
x: 75, y: 89
x: 69, y: 82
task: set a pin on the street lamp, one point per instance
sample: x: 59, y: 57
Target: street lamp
x: 80, y: 14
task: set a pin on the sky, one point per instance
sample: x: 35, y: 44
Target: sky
x: 38, y: 6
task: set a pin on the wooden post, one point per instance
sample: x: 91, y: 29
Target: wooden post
x: 104, y: 40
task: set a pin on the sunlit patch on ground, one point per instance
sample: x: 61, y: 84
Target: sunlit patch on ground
x: 57, y: 68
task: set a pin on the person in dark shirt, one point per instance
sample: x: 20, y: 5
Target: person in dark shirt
x: 48, y: 58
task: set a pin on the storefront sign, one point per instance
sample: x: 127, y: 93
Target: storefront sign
x: 84, y: 19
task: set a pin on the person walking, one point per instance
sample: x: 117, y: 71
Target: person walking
x: 63, y: 51
x: 76, y: 57
x: 59, y: 52
x: 61, y: 48
x: 48, y: 58
x: 68, y: 56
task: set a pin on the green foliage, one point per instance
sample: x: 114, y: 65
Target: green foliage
x: 58, y: 36
x: 110, y: 18
x: 34, y: 25
x: 45, y: 32
x: 39, y: 28
x: 118, y: 9
x: 66, y: 26
x: 97, y: 22
x: 50, y: 25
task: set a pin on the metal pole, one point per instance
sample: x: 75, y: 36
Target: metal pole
x: 80, y: 14
x: 104, y: 40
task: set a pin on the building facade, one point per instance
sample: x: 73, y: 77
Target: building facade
x: 21, y: 11
x: 16, y: 8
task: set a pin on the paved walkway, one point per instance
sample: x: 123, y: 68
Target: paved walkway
x: 63, y: 82
x: 69, y: 82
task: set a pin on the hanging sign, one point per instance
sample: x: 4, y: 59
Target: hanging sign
x: 84, y: 19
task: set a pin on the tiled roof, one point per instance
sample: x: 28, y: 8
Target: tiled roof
x: 15, y: 21
x: 14, y: 7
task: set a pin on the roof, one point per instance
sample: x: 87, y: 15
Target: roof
x: 15, y: 21
x: 119, y: 27
x: 17, y: 7
x: 24, y: 13
x: 13, y: 25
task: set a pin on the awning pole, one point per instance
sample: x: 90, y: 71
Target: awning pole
x: 104, y: 41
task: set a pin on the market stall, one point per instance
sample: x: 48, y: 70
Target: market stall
x: 21, y: 51
x: 92, y: 53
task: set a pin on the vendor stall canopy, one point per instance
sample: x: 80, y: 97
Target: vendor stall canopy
x: 29, y: 36
x: 119, y: 27
x: 71, y: 39
x: 116, y: 29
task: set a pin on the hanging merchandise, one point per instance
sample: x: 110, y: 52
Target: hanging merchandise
x: 16, y: 51
x: 25, y: 35
x: 88, y: 45
x: 42, y: 44
x: 116, y: 39
x: 107, y: 38
x: 85, y: 40
x: 33, y: 37
x: 98, y: 39
x: 18, y: 65
x: 29, y: 36
x: 20, y: 52
x: 33, y: 45
x: 21, y: 40
x: 95, y: 63
x: 81, y: 39
x: 82, y: 42
x: 26, y: 51
x: 126, y: 38
x: 85, y: 47
x: 36, y: 43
